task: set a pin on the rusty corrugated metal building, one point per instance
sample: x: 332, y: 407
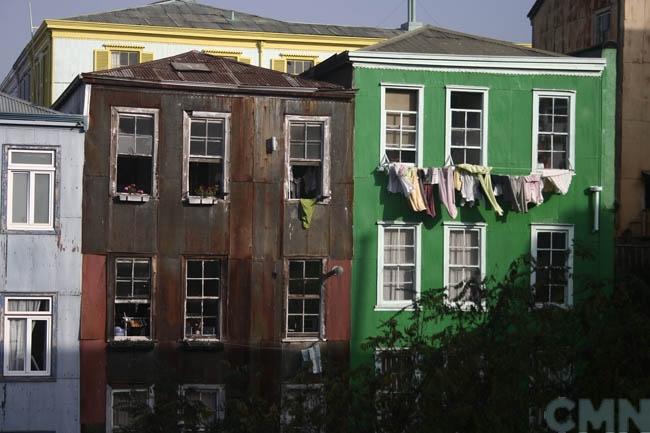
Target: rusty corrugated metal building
x: 196, y: 264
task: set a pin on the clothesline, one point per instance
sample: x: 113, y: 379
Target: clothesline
x: 474, y: 183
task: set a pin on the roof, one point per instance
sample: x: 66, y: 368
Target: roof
x: 196, y: 69
x: 11, y: 104
x: 436, y: 40
x: 189, y: 14
x: 533, y: 11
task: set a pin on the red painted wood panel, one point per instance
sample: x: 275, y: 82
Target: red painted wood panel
x: 337, y: 302
x: 93, y: 297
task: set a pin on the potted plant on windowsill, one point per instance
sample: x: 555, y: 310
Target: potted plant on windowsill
x: 204, y: 195
x: 133, y: 194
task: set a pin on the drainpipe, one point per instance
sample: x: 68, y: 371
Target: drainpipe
x: 260, y: 50
x: 596, y: 190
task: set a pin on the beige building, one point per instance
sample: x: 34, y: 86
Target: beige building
x: 582, y: 25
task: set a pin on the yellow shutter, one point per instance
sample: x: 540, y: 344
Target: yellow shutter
x: 245, y: 60
x: 279, y: 65
x: 145, y: 57
x: 102, y: 58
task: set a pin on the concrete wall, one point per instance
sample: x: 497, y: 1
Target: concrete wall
x: 568, y: 26
x: 47, y: 263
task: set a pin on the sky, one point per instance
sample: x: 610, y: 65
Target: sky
x: 500, y: 19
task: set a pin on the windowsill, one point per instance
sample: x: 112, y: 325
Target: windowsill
x: 407, y: 306
x: 202, y: 345
x: 465, y: 306
x: 29, y: 231
x: 541, y: 306
x: 132, y: 198
x: 195, y: 200
x: 132, y: 344
x: 28, y: 378
x: 324, y: 201
x: 303, y: 340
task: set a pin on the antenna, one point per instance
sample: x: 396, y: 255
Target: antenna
x: 31, y: 22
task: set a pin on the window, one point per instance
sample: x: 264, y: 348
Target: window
x: 304, y: 300
x: 303, y: 408
x: 401, y: 130
x: 203, y: 285
x: 551, y: 250
x: 553, y: 130
x: 602, y: 26
x: 298, y: 66
x: 396, y: 366
x: 30, y: 186
x: 132, y: 298
x: 136, y: 141
x: 308, y: 157
x: 467, y: 110
x: 464, y: 262
x: 398, y: 267
x: 125, y: 405
x: 207, y: 154
x: 209, y: 400
x: 124, y: 58
x: 28, y: 336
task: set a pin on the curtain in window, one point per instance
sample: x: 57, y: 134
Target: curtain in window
x: 17, y: 344
x: 28, y: 305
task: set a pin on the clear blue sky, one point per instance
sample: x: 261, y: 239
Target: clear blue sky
x: 501, y: 19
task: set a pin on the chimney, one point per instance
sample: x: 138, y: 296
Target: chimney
x: 411, y: 23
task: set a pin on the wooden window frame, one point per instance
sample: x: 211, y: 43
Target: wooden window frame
x: 569, y: 231
x: 571, y: 95
x: 419, y: 136
x: 391, y: 305
x: 324, y: 160
x: 223, y: 264
x: 115, y: 120
x: 113, y: 295
x: 304, y: 336
x: 110, y: 392
x: 481, y: 228
x: 219, y: 389
x: 29, y: 317
x: 485, y: 92
x: 32, y: 170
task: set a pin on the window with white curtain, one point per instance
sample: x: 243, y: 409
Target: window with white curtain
x: 464, y: 262
x: 30, y: 189
x: 398, y: 273
x: 27, y: 336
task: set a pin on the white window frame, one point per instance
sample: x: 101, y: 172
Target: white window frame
x: 326, y: 192
x: 220, y: 389
x: 570, y: 231
x: 222, y: 281
x: 448, y: 227
x: 109, y: 401
x: 540, y: 93
x: 115, y: 123
x: 293, y: 337
x: 187, y: 125
x: 388, y: 305
x: 419, y: 123
x: 133, y: 301
x: 29, y: 316
x: 32, y: 170
x: 485, y: 91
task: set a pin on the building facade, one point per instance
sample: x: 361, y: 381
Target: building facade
x: 197, y: 266
x: 427, y: 103
x: 62, y: 49
x: 626, y: 23
x: 40, y: 273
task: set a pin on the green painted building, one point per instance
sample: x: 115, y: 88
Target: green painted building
x: 432, y: 98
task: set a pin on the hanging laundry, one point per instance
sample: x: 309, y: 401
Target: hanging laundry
x: 429, y: 200
x: 446, y: 189
x: 307, y: 207
x: 458, y: 182
x: 415, y: 198
x: 560, y: 179
x: 500, y: 183
x: 397, y: 181
x: 518, y: 197
x: 431, y: 176
x: 533, y: 187
x: 485, y: 180
x: 470, y: 190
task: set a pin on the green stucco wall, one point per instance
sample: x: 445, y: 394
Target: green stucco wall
x: 510, y: 149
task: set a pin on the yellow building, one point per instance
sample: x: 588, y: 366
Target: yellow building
x: 61, y: 49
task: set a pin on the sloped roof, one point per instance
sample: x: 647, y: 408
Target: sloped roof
x: 190, y: 14
x: 533, y: 10
x: 197, y: 68
x: 11, y: 104
x: 436, y: 40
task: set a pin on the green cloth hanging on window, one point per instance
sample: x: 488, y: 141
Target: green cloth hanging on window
x: 307, y: 206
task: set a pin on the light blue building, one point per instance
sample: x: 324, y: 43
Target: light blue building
x: 41, y: 156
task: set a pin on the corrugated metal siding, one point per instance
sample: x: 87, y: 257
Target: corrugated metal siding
x: 10, y: 104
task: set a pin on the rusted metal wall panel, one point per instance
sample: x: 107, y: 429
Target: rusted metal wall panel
x: 337, y: 303
x: 93, y: 300
x: 93, y: 381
